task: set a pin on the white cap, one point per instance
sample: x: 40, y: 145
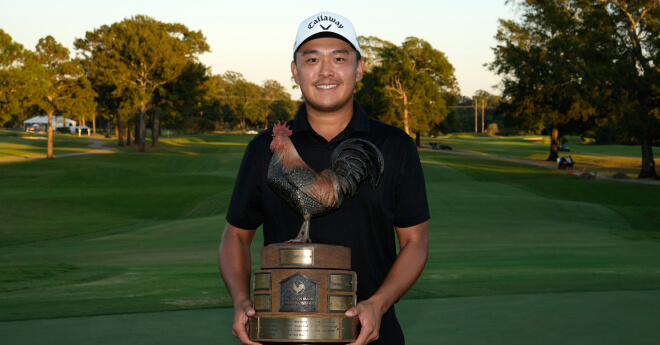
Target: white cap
x: 326, y: 24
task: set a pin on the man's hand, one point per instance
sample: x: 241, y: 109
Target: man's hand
x: 234, y: 261
x: 414, y: 244
x: 242, y: 313
x: 370, y: 316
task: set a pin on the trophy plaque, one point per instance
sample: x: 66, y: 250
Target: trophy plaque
x: 301, y: 293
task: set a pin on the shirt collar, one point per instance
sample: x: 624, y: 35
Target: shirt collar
x: 359, y: 121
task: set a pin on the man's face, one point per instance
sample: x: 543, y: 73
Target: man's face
x: 326, y: 70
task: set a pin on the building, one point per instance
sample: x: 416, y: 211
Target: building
x: 38, y: 123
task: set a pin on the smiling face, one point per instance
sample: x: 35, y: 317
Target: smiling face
x: 327, y: 70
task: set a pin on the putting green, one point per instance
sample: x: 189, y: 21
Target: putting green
x: 618, y: 317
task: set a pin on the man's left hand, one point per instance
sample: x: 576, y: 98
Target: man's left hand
x: 369, y: 315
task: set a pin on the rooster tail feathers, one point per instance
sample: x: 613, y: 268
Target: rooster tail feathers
x: 353, y: 161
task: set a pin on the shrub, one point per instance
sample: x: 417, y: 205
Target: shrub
x: 492, y: 129
x: 197, y: 125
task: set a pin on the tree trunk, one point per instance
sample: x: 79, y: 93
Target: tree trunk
x: 128, y: 135
x: 476, y: 107
x: 120, y: 129
x: 648, y: 163
x: 553, y: 144
x: 108, y: 128
x: 417, y: 139
x: 405, y: 113
x: 136, y: 141
x: 155, y: 129
x: 49, y: 131
x: 143, y: 129
x: 94, y: 124
x: 483, y: 112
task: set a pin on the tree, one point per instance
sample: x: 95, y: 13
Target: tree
x: 280, y: 105
x: 213, y: 101
x: 416, y: 80
x: 62, y: 86
x: 245, y: 100
x: 97, y: 64
x: 541, y: 88
x: 575, y: 62
x: 636, y: 32
x: 20, y: 80
x: 181, y: 97
x: 140, y: 55
x: 12, y: 59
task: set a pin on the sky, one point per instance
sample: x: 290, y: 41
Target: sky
x: 255, y: 37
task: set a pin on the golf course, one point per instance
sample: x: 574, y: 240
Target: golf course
x: 105, y: 245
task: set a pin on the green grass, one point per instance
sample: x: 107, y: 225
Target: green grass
x: 125, y: 232
x: 603, y: 159
x: 118, y: 232
x: 604, y: 318
x: 21, y: 145
x: 505, y: 228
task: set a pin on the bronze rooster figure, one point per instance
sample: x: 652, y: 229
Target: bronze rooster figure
x: 313, y: 194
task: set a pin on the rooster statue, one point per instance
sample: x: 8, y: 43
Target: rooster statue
x: 313, y: 194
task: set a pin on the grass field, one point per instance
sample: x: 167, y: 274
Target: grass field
x: 603, y: 159
x: 124, y: 232
x: 21, y: 145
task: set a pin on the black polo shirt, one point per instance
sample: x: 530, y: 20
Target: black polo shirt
x: 365, y: 223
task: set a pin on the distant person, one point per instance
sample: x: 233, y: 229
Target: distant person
x: 327, y: 64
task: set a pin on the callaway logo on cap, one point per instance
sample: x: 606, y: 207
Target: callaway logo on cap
x: 326, y: 24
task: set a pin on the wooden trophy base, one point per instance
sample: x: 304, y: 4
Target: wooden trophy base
x: 301, y: 294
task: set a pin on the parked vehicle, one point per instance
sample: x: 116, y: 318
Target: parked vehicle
x: 565, y: 163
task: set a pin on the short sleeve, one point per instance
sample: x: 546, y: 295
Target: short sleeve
x: 245, y: 209
x: 411, y: 204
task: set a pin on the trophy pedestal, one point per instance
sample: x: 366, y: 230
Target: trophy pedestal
x: 301, y: 294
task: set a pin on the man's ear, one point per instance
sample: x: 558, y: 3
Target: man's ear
x: 359, y: 72
x: 294, y: 72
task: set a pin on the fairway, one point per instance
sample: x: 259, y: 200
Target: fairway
x: 122, y: 248
x: 604, y: 318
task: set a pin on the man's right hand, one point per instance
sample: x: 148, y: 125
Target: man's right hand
x: 235, y: 261
x: 242, y: 312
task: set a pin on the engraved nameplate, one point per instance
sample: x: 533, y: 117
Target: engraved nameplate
x: 263, y: 281
x: 303, y: 328
x: 349, y: 328
x: 296, y: 256
x: 339, y: 303
x: 298, y: 293
x: 340, y: 282
x: 262, y: 302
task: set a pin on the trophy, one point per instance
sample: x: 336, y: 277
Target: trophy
x: 301, y: 294
x: 303, y: 289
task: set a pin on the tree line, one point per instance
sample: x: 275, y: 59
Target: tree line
x: 141, y: 73
x: 132, y: 74
x: 583, y: 66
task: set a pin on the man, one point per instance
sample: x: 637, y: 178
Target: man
x: 327, y: 65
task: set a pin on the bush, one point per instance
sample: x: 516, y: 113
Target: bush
x: 197, y: 125
x: 492, y: 129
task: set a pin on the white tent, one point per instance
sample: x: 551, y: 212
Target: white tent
x: 38, y: 123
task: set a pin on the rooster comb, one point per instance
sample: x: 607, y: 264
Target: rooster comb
x: 282, y: 128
